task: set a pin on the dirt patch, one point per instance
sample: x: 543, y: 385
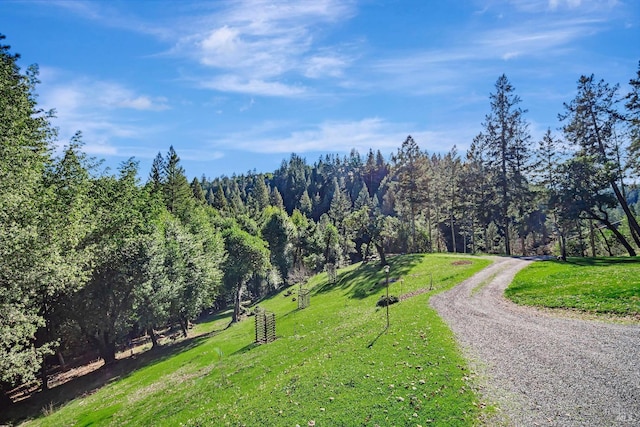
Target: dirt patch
x: 461, y: 262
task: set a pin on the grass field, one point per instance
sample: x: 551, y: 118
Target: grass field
x: 593, y: 285
x: 333, y: 364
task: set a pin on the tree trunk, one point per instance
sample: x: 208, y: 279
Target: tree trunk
x: 580, y: 238
x: 153, y: 336
x: 380, y: 249
x: 106, y: 347
x: 5, y: 401
x: 623, y: 241
x: 633, y: 224
x: 606, y: 242
x: 43, y: 374
x: 236, y: 304
x: 184, y: 326
x: 592, y: 239
x: 61, y: 359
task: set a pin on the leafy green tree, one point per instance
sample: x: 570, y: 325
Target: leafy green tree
x: 25, y: 137
x: 276, y: 231
x: 122, y: 252
x: 304, y: 242
x: 153, y: 298
x: 247, y: 255
x: 192, y: 265
x: 329, y: 238
x: 64, y: 228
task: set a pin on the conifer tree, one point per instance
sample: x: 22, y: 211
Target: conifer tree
x: 505, y: 138
x: 590, y: 122
x: 408, y: 168
x: 178, y: 195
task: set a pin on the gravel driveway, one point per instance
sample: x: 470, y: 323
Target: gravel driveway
x: 538, y: 368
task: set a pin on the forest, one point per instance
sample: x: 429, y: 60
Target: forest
x: 91, y: 258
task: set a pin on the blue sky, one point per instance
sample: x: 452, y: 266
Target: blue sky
x: 240, y: 85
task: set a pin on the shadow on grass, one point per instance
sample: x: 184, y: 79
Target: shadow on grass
x: 367, y: 279
x: 41, y: 402
x: 378, y: 337
x: 602, y: 261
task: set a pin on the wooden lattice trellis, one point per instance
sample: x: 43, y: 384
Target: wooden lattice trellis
x: 265, y: 327
x: 303, y: 298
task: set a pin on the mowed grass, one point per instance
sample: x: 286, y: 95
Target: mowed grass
x: 593, y: 285
x: 333, y: 363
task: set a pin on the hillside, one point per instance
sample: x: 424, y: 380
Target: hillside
x: 333, y: 363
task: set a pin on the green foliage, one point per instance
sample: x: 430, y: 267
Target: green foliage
x: 505, y: 140
x: 247, y: 255
x: 594, y: 285
x: 277, y: 231
x: 25, y: 137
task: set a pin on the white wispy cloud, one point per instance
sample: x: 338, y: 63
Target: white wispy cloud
x: 534, y: 38
x: 479, y: 51
x: 100, y: 109
x: 260, y: 47
x: 252, y: 86
x: 106, y: 14
x: 338, y: 136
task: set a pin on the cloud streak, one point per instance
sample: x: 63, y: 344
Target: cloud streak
x: 338, y: 136
x: 266, y: 48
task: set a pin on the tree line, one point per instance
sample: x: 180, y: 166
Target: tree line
x: 91, y: 258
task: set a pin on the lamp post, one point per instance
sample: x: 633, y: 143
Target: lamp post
x: 386, y: 270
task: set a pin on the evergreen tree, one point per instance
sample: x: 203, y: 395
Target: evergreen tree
x: 219, y: 199
x: 261, y: 193
x: 276, y: 199
x: 505, y: 137
x: 157, y: 176
x: 591, y: 119
x: 409, y: 168
x: 178, y: 195
x: 633, y: 122
x: 198, y: 192
x: 305, y: 205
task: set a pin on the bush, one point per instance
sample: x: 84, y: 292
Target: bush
x: 385, y: 301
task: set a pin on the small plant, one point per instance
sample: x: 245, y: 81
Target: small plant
x: 48, y: 409
x: 385, y: 301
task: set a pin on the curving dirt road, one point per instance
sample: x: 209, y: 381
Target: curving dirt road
x: 540, y: 369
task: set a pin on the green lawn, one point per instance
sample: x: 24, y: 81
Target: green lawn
x: 333, y: 363
x: 593, y: 285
